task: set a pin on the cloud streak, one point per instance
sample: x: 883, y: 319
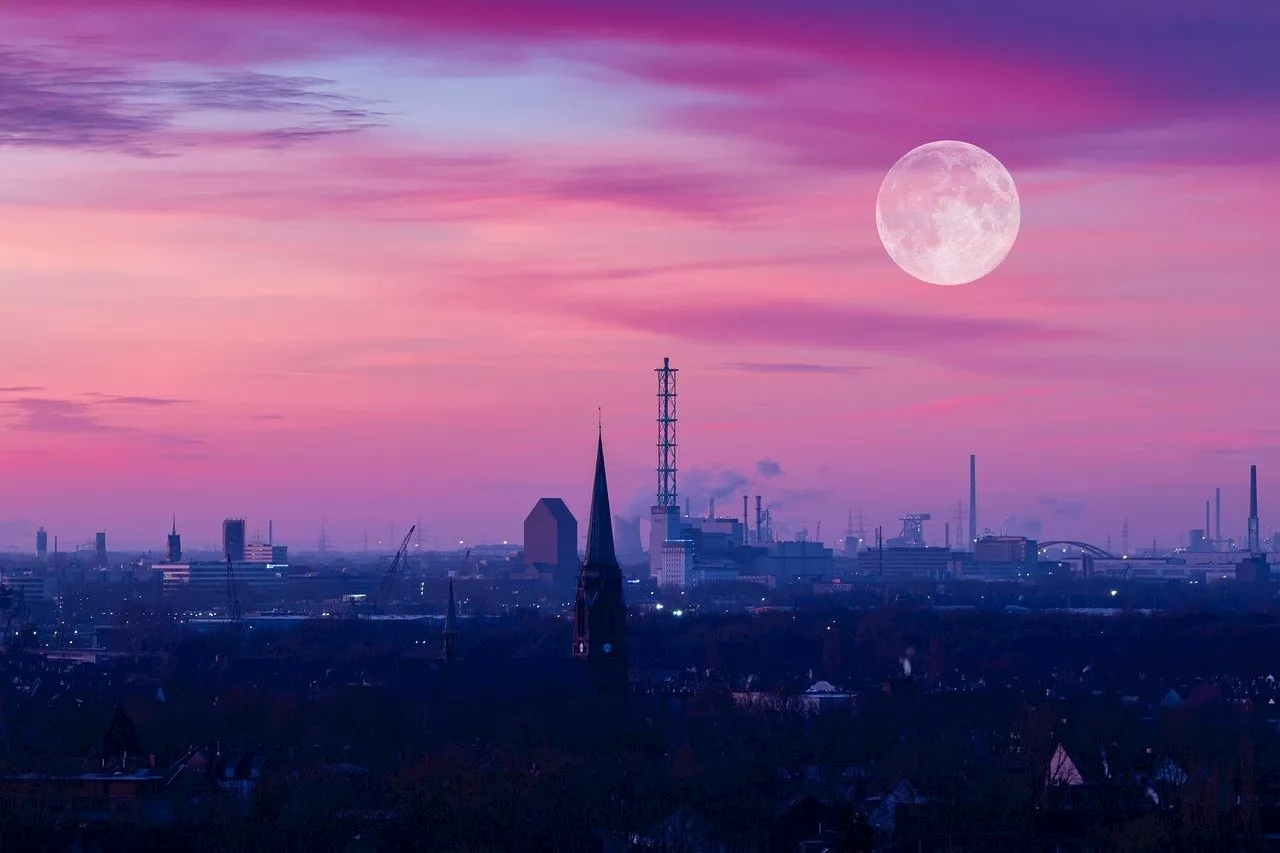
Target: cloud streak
x: 950, y: 340
x: 50, y: 100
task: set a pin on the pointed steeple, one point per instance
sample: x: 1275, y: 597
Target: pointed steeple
x: 175, y: 525
x: 450, y: 650
x: 600, y: 523
x: 451, y: 615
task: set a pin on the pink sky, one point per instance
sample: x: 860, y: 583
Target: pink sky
x: 293, y: 261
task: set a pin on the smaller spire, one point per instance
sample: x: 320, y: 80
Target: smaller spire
x: 450, y: 650
x: 451, y: 615
x: 175, y: 524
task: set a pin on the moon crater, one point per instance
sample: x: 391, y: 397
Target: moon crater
x: 948, y: 213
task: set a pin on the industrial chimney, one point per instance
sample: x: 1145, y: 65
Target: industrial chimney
x: 973, y: 500
x: 1255, y: 542
x: 759, y: 521
x: 746, y: 518
x: 1217, y: 519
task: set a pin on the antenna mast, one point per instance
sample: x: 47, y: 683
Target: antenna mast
x: 667, y: 495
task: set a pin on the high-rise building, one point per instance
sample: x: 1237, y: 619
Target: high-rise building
x: 100, y: 548
x: 42, y: 544
x: 174, y: 552
x: 600, y: 614
x: 1254, y: 534
x: 233, y: 540
x: 551, y: 539
x: 677, y: 564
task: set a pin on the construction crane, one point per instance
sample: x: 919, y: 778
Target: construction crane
x: 466, y: 561
x: 392, y: 572
x: 233, y: 600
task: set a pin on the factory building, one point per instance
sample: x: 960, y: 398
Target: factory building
x: 899, y: 563
x: 204, y: 583
x: 798, y: 559
x: 677, y: 564
x: 260, y: 552
x: 100, y: 549
x: 1254, y: 569
x: 1003, y: 558
x: 551, y: 540
x: 664, y: 527
x: 33, y: 587
x: 42, y: 544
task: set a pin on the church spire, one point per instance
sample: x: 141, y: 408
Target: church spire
x: 450, y: 651
x: 600, y: 614
x: 600, y: 550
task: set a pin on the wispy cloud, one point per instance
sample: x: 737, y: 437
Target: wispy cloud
x: 973, y: 343
x: 142, y: 402
x: 791, y: 367
x: 54, y: 100
x: 61, y: 416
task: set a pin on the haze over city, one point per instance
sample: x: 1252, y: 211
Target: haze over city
x: 380, y: 263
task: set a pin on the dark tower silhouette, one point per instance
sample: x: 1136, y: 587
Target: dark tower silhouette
x: 600, y: 614
x: 973, y: 501
x: 233, y: 540
x: 1255, y: 540
x: 450, y: 650
x: 175, y: 544
x: 42, y: 544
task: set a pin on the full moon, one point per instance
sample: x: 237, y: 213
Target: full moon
x: 948, y: 212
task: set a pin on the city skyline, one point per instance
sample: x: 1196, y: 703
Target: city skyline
x: 382, y: 265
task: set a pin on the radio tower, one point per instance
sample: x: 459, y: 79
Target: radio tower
x: 667, y: 434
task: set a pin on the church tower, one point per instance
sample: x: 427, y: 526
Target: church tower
x: 174, y: 552
x: 600, y: 615
x: 450, y: 651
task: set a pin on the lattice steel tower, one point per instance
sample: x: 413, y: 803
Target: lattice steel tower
x: 667, y: 434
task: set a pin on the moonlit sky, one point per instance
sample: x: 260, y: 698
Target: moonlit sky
x: 379, y: 262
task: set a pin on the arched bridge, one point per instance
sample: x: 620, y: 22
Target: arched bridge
x: 1092, y: 550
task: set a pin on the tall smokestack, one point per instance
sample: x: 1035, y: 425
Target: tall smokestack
x: 711, y: 507
x: 973, y: 500
x: 1206, y: 520
x: 1255, y: 542
x: 746, y: 517
x: 947, y: 533
x: 759, y: 521
x: 1217, y: 519
x: 271, y: 533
